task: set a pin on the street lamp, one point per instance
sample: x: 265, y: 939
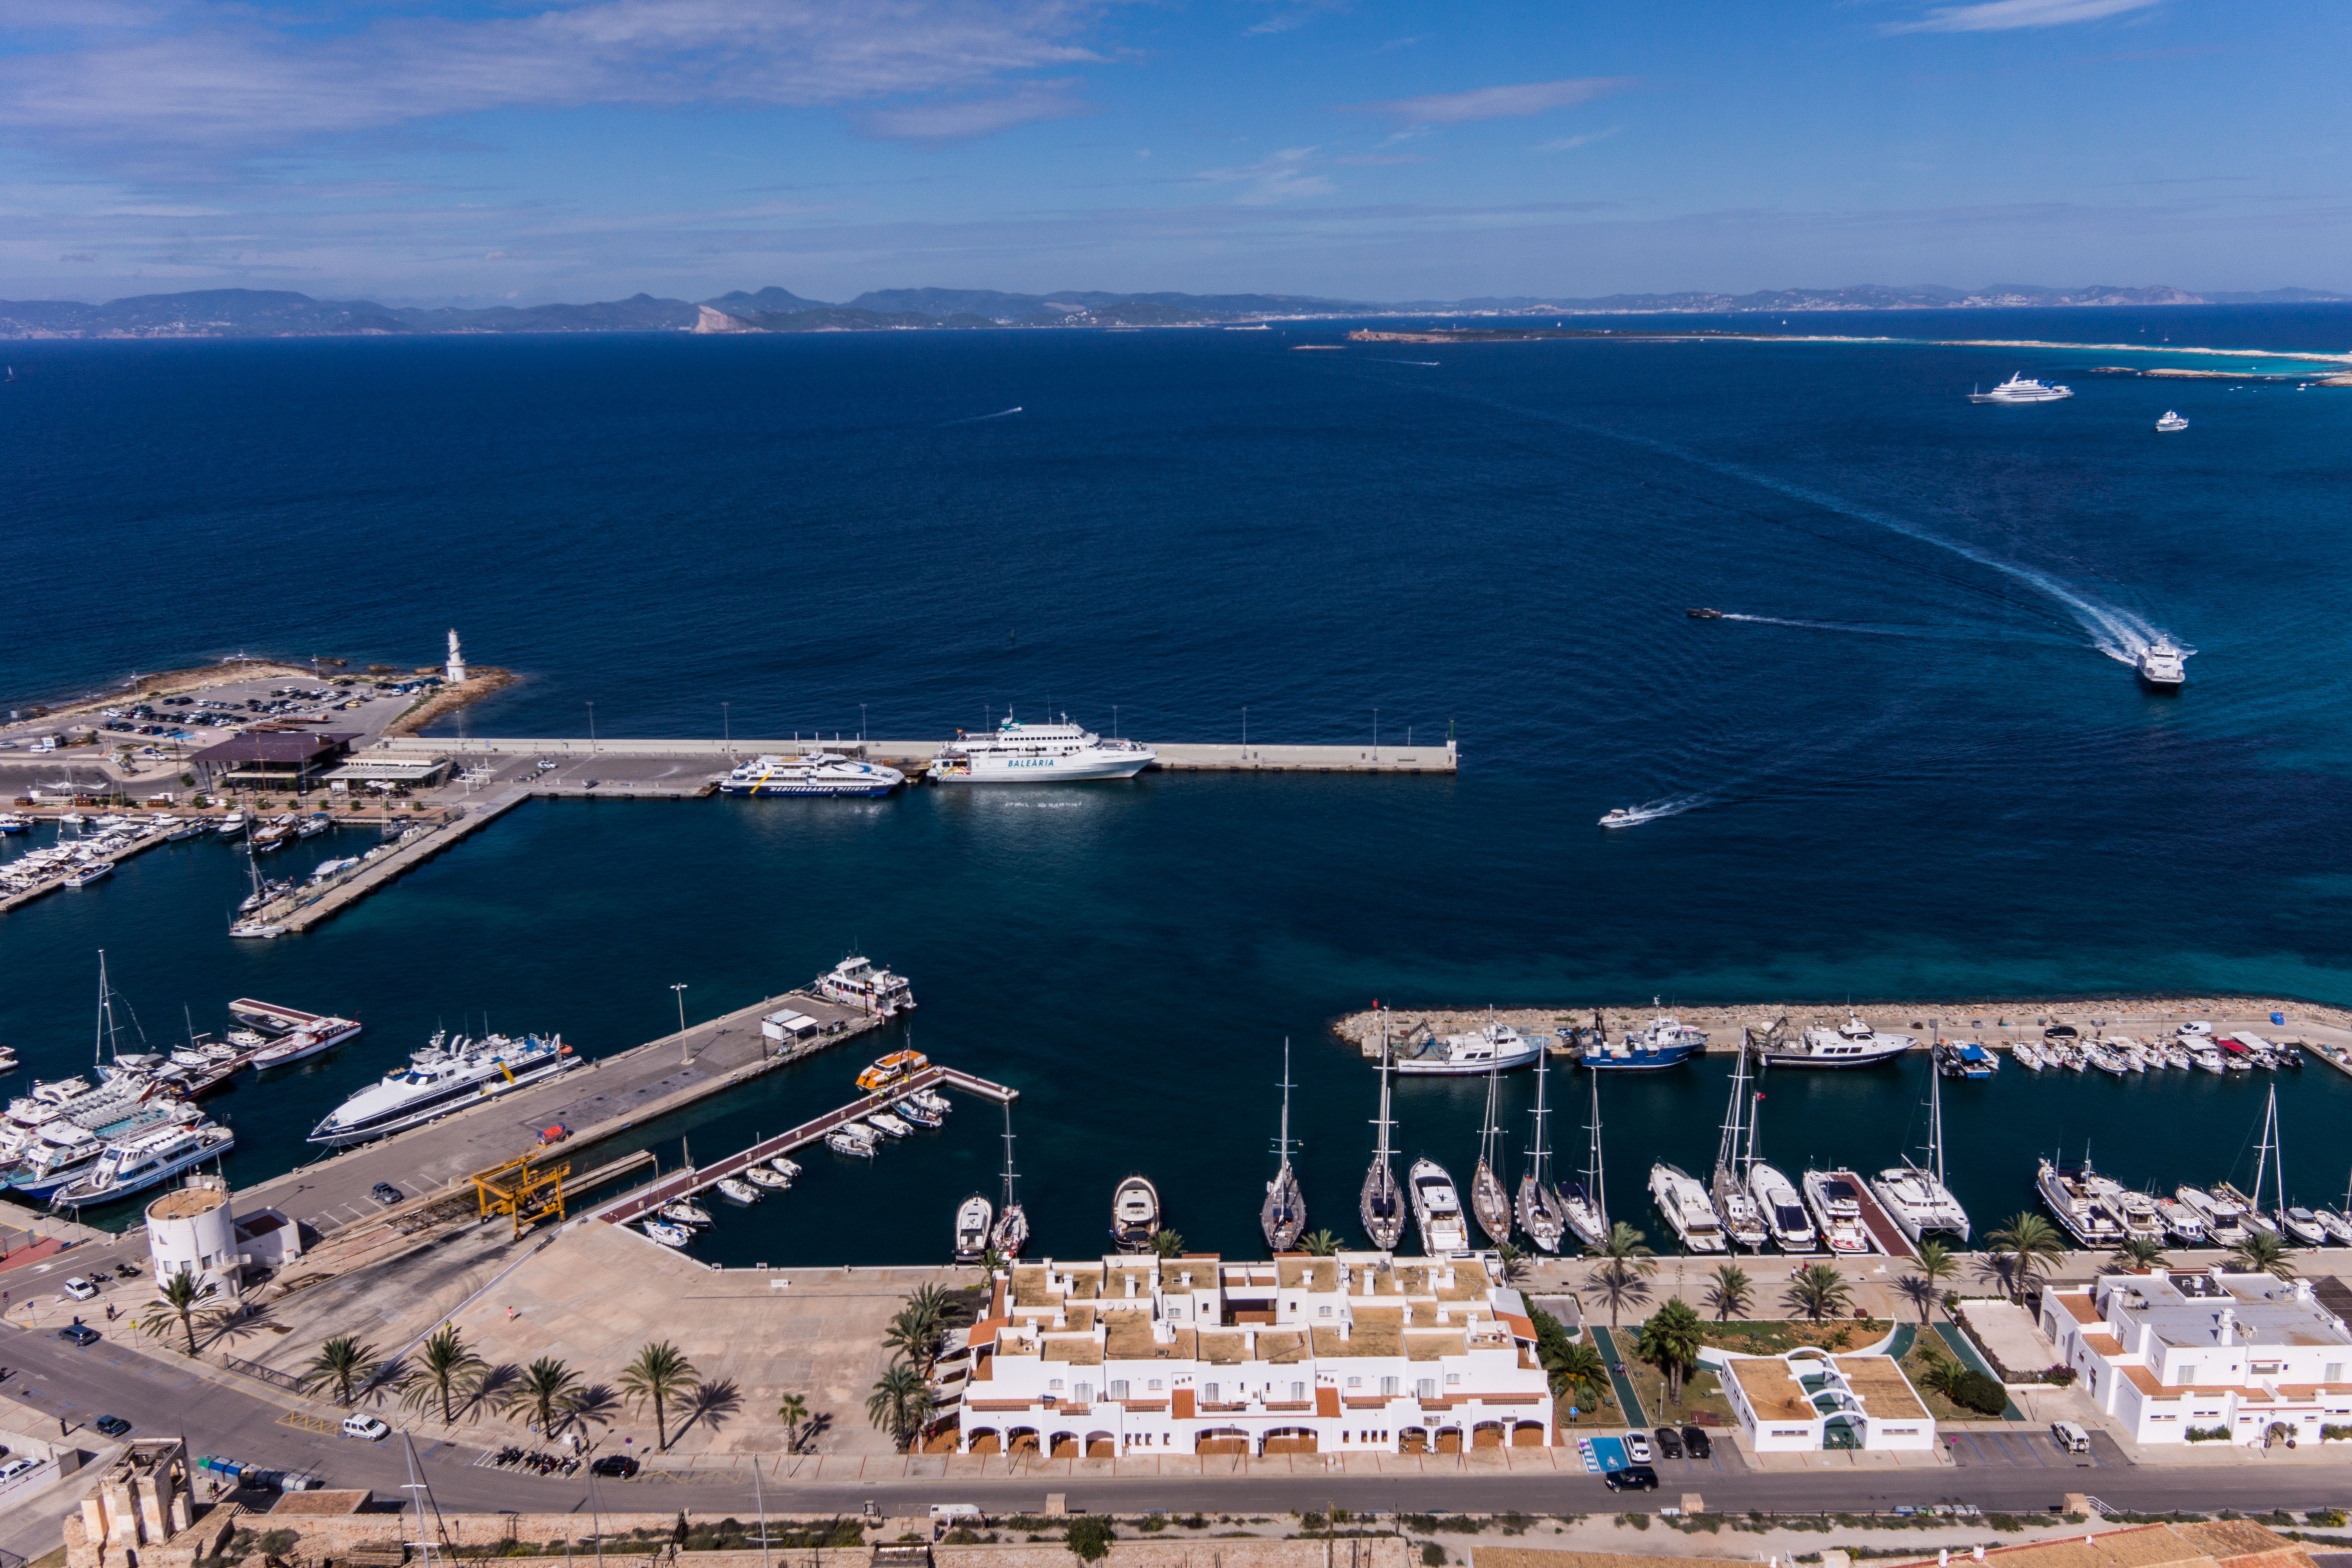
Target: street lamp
x: 592, y: 729
x: 682, y: 1057
x: 861, y: 724
x: 727, y: 725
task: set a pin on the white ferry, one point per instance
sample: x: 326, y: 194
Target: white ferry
x: 441, y: 1079
x: 855, y: 983
x: 134, y: 1164
x: 1853, y: 1044
x: 1497, y: 1047
x: 2022, y: 388
x: 1437, y: 1209
x: 1060, y: 752
x: 814, y: 773
x: 1685, y: 1204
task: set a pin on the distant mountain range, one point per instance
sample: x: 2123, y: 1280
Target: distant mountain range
x: 256, y: 313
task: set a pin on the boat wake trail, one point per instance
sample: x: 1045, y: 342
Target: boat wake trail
x: 983, y: 419
x: 1929, y: 634
x: 1424, y: 363
x: 1650, y: 811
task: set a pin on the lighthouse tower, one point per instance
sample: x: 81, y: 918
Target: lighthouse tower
x: 456, y: 669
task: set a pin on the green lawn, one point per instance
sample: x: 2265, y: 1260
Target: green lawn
x: 1777, y: 1338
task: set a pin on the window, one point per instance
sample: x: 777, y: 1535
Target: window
x: 1426, y: 1389
x: 1209, y: 1393
x: 1055, y: 1386
x: 1324, y: 1311
x: 1153, y: 1385
x: 1387, y: 1388
x: 1118, y: 1388
x: 1451, y: 1378
x: 1355, y: 1383
x: 1084, y: 1392
x: 2189, y: 1376
x: 1297, y: 1392
x: 2334, y: 1373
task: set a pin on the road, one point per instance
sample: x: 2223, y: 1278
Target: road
x: 2009, y: 1473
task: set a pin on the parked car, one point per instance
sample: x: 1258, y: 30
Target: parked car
x: 618, y: 1464
x: 80, y: 1334
x: 366, y: 1428
x: 1670, y: 1442
x: 79, y: 1289
x: 385, y: 1192
x: 1698, y: 1444
x: 113, y: 1426
x: 1637, y: 1449
x: 1632, y: 1478
x: 2069, y: 1437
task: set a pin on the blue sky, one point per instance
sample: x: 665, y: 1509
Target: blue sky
x: 434, y: 150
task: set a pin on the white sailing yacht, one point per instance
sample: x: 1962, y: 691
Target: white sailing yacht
x: 1743, y: 1222
x: 1541, y: 1214
x: 1011, y: 1232
x: 1586, y: 1203
x: 1915, y: 1196
x: 1488, y: 1201
x: 1381, y: 1206
x: 1283, y: 1216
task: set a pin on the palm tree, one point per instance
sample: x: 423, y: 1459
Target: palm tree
x: 2141, y: 1253
x: 793, y: 1414
x: 547, y: 1390
x: 1625, y: 1266
x: 900, y: 1401
x: 1818, y: 1291
x: 1937, y: 1262
x: 1321, y: 1243
x: 913, y: 1335
x: 990, y: 1261
x: 659, y: 1374
x: 935, y: 1301
x: 1512, y: 1259
x: 2032, y: 1245
x: 177, y: 1300
x: 1577, y: 1373
x: 340, y: 1363
x: 443, y: 1370
x: 1670, y: 1341
x: 1731, y: 1293
x: 1168, y: 1243
x: 2263, y: 1252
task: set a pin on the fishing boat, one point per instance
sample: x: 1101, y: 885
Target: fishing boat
x: 1744, y: 1221
x: 1838, y: 1207
x: 1488, y: 1199
x: 1687, y: 1207
x: 444, y: 1076
x: 1663, y: 1042
x: 2067, y: 1192
x: 2182, y: 1222
x: 889, y: 1126
x: 1540, y: 1213
x: 1017, y: 753
x: 854, y: 1139
x: 891, y: 1069
x: 319, y: 1035
x: 1916, y: 1196
x: 667, y: 1233
x: 972, y: 1218
x: 855, y: 983
x: 1436, y: 1209
x: 764, y: 1176
x: 685, y: 1211
x: 1586, y: 1203
x: 1134, y: 1213
x: 1497, y: 1047
x: 1380, y: 1204
x: 1853, y: 1044
x: 1011, y: 1232
x: 1283, y: 1216
x: 737, y: 1191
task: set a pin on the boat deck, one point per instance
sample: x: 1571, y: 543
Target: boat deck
x: 1885, y: 1234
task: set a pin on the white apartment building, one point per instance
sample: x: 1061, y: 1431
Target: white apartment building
x: 2166, y: 1352
x: 1360, y: 1352
x: 1809, y: 1400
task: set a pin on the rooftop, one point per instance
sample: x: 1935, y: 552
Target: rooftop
x: 2187, y: 1310
x: 273, y: 746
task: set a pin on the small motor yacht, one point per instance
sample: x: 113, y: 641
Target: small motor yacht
x: 1622, y: 816
x: 737, y: 1191
x: 668, y: 1234
x: 1134, y: 1213
x: 761, y: 1177
x: 2171, y: 422
x: 685, y: 1211
x: 2305, y: 1225
x: 784, y: 1167
x: 931, y: 1100
x: 1703, y: 613
x: 884, y: 1123
x: 921, y: 1115
x: 2161, y: 665
x: 854, y: 1139
x: 973, y: 1216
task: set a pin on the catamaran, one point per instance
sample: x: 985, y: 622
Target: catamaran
x: 1381, y: 1205
x: 1283, y: 1216
x: 1541, y: 1213
x: 1915, y: 1196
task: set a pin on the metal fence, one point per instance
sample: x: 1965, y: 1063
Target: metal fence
x: 260, y: 1374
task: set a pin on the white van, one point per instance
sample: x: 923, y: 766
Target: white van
x: 367, y: 1428
x: 2070, y: 1439
x: 957, y: 1513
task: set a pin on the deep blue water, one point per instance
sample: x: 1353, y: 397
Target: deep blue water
x: 1936, y: 785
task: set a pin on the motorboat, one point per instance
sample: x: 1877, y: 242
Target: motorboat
x: 2337, y: 1225
x: 785, y: 1168
x: 1017, y: 753
x: 685, y: 1211
x: 854, y: 982
x: 90, y: 873
x: 1283, y: 1216
x: 932, y: 1101
x: 2250, y: 1213
x: 1687, y: 1208
x: 2224, y: 1222
x: 1497, y: 1047
x: 136, y: 1163
x: 1965, y: 1060
x: 1703, y: 613
x: 2134, y: 1211
x: 1134, y: 1213
x: 667, y: 1233
x: 1621, y: 817
x: 2305, y: 1225
x: 1853, y: 1044
x: 269, y: 1017
x: 890, y: 1070
x: 1783, y: 1210
x: 313, y: 825
x: 889, y: 1126
x: 2171, y: 422
x: 735, y: 1190
x: 853, y: 1139
x: 2022, y: 388
x: 2182, y: 1222
x: 319, y: 1034
x: 972, y: 1218
x: 2066, y: 1191
x: 2207, y: 1057
x: 1838, y: 1206
x: 444, y: 1076
x: 1663, y: 1042
x: 2162, y: 665
x: 919, y: 1115
x: 231, y: 825
x: 767, y: 1177
x: 810, y: 773
x: 2104, y: 1058
x: 1436, y: 1209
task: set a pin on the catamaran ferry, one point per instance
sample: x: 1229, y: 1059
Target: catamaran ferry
x: 1062, y: 753
x: 441, y: 1079
x: 816, y: 772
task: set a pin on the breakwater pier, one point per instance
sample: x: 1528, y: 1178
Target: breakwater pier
x: 628, y: 757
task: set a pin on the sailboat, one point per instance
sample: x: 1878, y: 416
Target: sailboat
x: 1011, y: 1232
x: 1587, y: 1202
x: 2299, y: 1223
x: 1540, y: 1213
x: 1380, y: 1207
x: 1743, y: 1220
x: 1284, y: 1214
x: 1915, y: 1196
x: 1488, y: 1200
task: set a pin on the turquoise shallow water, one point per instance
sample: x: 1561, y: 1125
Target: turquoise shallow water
x: 1933, y: 782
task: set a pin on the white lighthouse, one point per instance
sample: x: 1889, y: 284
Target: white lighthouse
x: 455, y: 671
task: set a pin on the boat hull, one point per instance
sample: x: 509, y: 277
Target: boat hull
x: 212, y: 1148
x: 491, y: 1089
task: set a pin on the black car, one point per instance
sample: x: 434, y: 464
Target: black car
x: 1632, y: 1478
x: 80, y: 1334
x: 619, y: 1465
x: 385, y: 1192
x: 1669, y: 1441
x: 1698, y: 1444
x: 113, y: 1426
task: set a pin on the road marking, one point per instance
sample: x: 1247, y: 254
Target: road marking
x: 308, y: 1423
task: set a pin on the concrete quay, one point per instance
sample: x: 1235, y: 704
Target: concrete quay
x: 717, y: 756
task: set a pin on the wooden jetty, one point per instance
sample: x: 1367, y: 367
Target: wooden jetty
x: 1885, y: 1234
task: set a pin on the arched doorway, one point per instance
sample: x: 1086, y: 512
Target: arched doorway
x: 1221, y: 1440
x: 1020, y: 1441
x: 1289, y: 1440
x: 1487, y: 1434
x: 1101, y: 1445
x: 985, y: 1440
x: 1449, y: 1439
x: 1527, y: 1435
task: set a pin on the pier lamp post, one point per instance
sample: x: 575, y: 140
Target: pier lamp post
x: 682, y: 1057
x: 592, y: 729
x: 861, y: 724
x: 727, y: 725
x: 1376, y: 734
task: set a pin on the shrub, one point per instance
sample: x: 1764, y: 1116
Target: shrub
x: 2339, y: 1434
x: 2063, y: 1377
x: 278, y: 1542
x: 1638, y: 1520
x: 1979, y: 1393
x: 1433, y: 1556
x: 1090, y: 1537
x: 2207, y: 1434
x: 1154, y: 1523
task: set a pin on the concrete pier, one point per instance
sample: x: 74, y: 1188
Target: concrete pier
x: 716, y: 757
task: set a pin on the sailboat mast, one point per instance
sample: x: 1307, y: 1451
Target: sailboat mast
x: 1936, y: 1121
x: 97, y: 1033
x: 1487, y: 1134
x: 1539, y: 1157
x: 1285, y: 1102
x: 1008, y: 1154
x: 1382, y: 1153
x: 1592, y: 1171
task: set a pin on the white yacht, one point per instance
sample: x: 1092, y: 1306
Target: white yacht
x: 2171, y: 421
x: 2135, y: 1212
x: 440, y: 1079
x: 1853, y: 1044
x: 1060, y: 752
x: 973, y: 1216
x: 1497, y: 1047
x: 1687, y: 1209
x: 854, y: 1139
x: 2022, y: 388
x: 1784, y: 1211
x: 1437, y: 1209
x: 138, y: 1162
x: 1134, y: 1213
x: 857, y: 983
x: 813, y: 772
x: 2162, y: 665
x: 2181, y: 1222
x: 2224, y: 1222
x: 2068, y: 1193
x: 1838, y: 1206
x: 317, y: 1035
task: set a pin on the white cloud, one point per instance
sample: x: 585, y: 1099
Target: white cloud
x: 1569, y: 144
x: 2007, y: 16
x: 960, y: 119
x: 1521, y: 101
x: 1285, y: 176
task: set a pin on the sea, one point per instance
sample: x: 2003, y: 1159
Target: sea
x: 1911, y: 763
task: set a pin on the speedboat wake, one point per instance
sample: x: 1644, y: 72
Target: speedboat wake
x: 1650, y: 811
x: 983, y: 418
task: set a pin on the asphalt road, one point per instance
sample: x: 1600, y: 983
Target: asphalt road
x: 2010, y: 1473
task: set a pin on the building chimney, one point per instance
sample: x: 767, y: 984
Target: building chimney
x: 2229, y: 1326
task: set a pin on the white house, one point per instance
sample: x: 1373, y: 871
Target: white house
x: 2167, y: 1351
x: 1360, y: 1352
x: 1809, y: 1400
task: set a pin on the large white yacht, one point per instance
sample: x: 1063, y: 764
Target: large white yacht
x: 1685, y: 1204
x: 1059, y: 752
x: 440, y: 1079
x: 1783, y: 1210
x: 812, y: 773
x: 1437, y: 1209
x: 2162, y: 665
x: 136, y: 1163
x: 2171, y: 422
x: 2022, y: 388
x: 858, y: 984
x: 2069, y: 1193
x: 1497, y: 1047
x: 1835, y: 1203
x: 1853, y: 1044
